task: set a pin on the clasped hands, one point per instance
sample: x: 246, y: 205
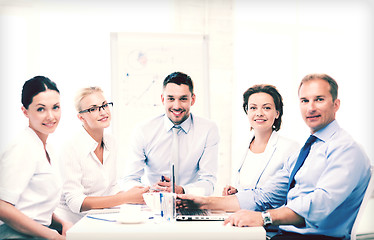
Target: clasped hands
x: 164, y: 185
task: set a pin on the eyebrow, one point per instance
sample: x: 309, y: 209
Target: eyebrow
x: 177, y: 96
x: 262, y: 104
x: 319, y: 96
x: 94, y: 105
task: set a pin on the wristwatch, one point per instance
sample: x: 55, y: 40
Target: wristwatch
x: 267, y: 218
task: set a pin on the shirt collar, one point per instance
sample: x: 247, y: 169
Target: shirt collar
x: 325, y: 133
x: 185, y: 125
x: 37, y: 139
x: 89, y: 143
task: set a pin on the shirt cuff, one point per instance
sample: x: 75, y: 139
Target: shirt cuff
x: 246, y: 200
x: 75, y: 204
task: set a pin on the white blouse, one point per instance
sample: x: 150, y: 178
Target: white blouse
x: 84, y: 175
x: 255, y: 169
x: 253, y: 164
x: 28, y: 180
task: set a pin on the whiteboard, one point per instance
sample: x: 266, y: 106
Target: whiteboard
x: 140, y: 62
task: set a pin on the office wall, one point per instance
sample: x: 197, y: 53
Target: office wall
x: 276, y: 42
x: 69, y: 42
x: 279, y: 42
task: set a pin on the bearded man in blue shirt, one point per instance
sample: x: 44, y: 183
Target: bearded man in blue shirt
x: 321, y: 199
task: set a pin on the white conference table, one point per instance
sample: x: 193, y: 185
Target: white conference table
x: 91, y: 228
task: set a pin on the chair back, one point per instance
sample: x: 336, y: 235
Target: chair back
x: 365, y: 200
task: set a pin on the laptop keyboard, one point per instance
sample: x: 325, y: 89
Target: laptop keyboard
x: 192, y: 212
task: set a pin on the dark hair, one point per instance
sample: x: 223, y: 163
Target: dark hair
x: 179, y: 78
x: 34, y: 86
x: 272, y: 91
x: 333, y: 84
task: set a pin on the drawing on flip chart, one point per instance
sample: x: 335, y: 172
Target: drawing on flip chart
x: 140, y: 63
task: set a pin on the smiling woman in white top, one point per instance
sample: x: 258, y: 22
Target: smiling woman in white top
x: 265, y: 150
x: 89, y: 161
x: 29, y: 184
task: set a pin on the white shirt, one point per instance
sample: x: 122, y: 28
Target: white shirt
x: 255, y: 169
x: 28, y: 180
x: 198, y: 153
x: 83, y: 173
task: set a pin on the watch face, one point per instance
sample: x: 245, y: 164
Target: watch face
x: 266, y: 218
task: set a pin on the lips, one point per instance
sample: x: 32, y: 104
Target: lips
x: 177, y: 112
x: 313, y: 117
x: 260, y: 120
x: 49, y: 125
x: 103, y: 119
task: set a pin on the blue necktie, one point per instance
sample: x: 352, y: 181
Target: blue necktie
x: 300, y: 160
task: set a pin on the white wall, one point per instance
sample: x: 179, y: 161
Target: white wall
x: 275, y: 42
x: 69, y: 42
x: 279, y: 42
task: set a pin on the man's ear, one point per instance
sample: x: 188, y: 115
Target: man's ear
x: 336, y: 105
x: 162, y: 98
x: 193, y: 99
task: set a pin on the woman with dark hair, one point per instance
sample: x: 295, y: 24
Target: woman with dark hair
x: 266, y: 149
x: 29, y: 183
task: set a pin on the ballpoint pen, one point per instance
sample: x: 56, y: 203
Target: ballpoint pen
x: 163, y: 178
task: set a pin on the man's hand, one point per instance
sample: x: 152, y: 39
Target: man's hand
x: 245, y: 218
x: 165, y: 186
x: 191, y: 201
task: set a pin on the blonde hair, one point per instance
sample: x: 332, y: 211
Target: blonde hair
x: 82, y: 93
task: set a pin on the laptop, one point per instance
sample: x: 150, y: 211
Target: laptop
x: 184, y: 214
x: 200, y: 215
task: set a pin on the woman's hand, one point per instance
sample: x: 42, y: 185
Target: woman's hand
x: 229, y: 190
x: 134, y: 195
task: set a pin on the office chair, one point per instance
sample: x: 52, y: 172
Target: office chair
x: 365, y: 200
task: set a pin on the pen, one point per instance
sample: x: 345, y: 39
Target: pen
x: 162, y: 212
x: 103, y: 219
x: 163, y: 178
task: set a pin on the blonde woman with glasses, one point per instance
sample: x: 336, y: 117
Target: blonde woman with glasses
x: 89, y: 161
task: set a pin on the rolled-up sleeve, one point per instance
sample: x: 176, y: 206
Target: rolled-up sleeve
x: 272, y: 195
x: 340, y: 176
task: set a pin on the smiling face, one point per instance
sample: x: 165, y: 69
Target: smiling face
x: 177, y: 100
x: 261, y: 111
x: 96, y: 120
x: 44, y: 113
x: 316, y: 104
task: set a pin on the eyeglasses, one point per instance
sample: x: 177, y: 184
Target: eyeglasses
x: 95, y: 108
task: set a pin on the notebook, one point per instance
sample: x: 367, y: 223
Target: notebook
x: 200, y: 215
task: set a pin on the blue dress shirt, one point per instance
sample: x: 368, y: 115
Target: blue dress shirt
x: 329, y: 186
x: 198, y: 153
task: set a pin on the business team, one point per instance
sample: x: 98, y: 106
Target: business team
x: 305, y: 191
